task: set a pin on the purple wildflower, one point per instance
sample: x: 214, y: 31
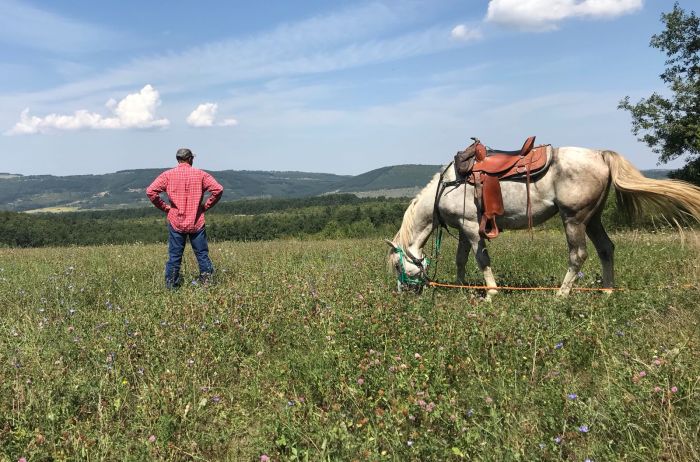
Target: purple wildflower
x: 264, y: 458
x: 559, y: 346
x: 572, y: 396
x: 583, y: 428
x: 557, y: 439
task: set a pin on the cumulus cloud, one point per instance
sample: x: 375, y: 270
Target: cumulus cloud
x: 462, y: 32
x: 204, y: 115
x: 136, y: 110
x: 546, y: 14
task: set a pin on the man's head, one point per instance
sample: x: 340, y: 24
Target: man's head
x: 184, y: 155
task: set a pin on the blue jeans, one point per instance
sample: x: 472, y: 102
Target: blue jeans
x: 176, y: 247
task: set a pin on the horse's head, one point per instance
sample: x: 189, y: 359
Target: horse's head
x: 411, y: 271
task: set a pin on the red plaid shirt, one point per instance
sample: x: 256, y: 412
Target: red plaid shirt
x: 185, y: 187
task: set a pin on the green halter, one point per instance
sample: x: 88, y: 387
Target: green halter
x: 422, y: 279
x: 407, y: 280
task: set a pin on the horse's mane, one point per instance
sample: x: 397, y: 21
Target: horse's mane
x: 405, y: 234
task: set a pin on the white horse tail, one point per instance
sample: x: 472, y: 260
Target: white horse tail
x: 674, y: 199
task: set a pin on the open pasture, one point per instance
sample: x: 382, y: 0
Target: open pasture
x: 302, y: 351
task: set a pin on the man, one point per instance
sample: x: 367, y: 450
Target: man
x: 185, y: 187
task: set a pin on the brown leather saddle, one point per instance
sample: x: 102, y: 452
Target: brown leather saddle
x: 485, y: 168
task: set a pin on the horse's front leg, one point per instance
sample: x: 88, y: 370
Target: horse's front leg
x: 462, y: 255
x: 484, y: 262
x: 481, y: 255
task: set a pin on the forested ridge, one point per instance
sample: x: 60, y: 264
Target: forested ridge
x: 342, y: 215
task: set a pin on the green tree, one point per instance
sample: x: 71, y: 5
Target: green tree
x: 671, y: 125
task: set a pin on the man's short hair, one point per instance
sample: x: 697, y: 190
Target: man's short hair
x: 184, y: 154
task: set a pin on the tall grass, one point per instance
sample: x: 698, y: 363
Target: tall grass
x: 301, y: 351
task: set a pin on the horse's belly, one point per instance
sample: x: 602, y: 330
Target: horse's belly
x: 515, y: 214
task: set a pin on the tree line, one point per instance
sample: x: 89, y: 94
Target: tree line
x: 332, y: 216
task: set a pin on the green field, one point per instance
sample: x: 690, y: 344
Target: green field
x: 302, y: 351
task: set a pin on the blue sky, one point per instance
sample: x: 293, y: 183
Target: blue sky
x: 339, y: 87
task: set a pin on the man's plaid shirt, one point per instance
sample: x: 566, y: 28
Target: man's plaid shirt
x: 185, y: 187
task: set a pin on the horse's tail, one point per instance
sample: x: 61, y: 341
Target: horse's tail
x: 674, y: 199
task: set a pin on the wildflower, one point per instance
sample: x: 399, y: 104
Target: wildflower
x: 360, y: 381
x: 290, y: 403
x: 152, y: 439
x: 657, y: 362
x: 588, y: 460
x: 264, y: 458
x: 657, y: 389
x: 642, y: 373
x: 674, y: 389
x: 580, y: 275
x: 583, y: 428
x: 216, y: 399
x: 470, y: 412
x: 488, y: 400
x: 541, y: 445
x: 557, y: 439
x: 558, y: 346
x: 21, y: 459
x: 619, y: 333
x: 572, y: 396
x: 430, y: 407
x: 417, y: 356
x: 409, y: 443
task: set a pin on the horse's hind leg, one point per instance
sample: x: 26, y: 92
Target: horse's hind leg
x: 576, y: 239
x: 462, y: 255
x: 605, y: 248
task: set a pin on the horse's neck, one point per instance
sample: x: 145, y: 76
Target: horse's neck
x: 420, y: 221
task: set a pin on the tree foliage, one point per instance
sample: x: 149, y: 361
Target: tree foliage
x: 670, y: 125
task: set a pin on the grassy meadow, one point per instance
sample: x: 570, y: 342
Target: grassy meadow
x: 303, y: 351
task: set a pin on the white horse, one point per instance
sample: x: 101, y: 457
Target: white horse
x: 575, y: 186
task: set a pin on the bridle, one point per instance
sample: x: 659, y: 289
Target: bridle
x: 412, y: 282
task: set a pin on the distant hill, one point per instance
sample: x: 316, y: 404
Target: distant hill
x: 393, y: 177
x: 126, y: 188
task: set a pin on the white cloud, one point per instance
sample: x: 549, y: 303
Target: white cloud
x: 546, y: 14
x: 204, y: 115
x: 136, y: 110
x: 228, y: 122
x: 462, y: 32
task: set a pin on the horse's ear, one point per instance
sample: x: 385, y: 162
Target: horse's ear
x: 390, y: 244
